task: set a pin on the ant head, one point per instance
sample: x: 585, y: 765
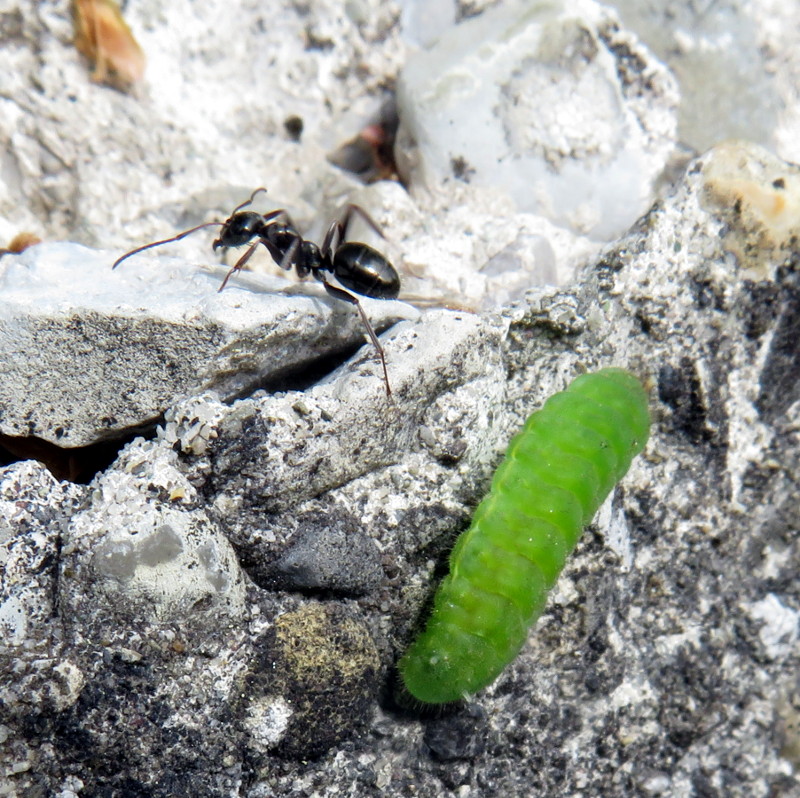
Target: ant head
x: 240, y: 229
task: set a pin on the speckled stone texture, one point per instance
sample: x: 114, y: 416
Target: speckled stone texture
x: 164, y: 652
x: 218, y: 611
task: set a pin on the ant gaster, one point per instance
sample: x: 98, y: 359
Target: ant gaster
x: 358, y: 267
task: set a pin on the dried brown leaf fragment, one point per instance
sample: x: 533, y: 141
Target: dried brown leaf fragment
x: 103, y: 36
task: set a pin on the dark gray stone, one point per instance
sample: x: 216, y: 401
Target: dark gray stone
x: 328, y: 552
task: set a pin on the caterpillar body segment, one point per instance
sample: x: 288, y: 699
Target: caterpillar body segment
x: 557, y: 472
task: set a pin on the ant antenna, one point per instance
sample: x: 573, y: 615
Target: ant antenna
x: 164, y: 241
x: 186, y: 232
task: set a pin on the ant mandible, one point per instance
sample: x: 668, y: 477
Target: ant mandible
x: 358, y: 267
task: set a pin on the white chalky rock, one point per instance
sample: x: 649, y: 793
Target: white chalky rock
x: 89, y: 352
x: 161, y: 560
x: 550, y: 102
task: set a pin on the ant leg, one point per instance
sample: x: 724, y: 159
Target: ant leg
x: 340, y: 293
x: 266, y: 217
x: 287, y: 261
x: 270, y: 248
x: 164, y: 241
x: 338, y: 228
x: 239, y: 264
x: 352, y: 208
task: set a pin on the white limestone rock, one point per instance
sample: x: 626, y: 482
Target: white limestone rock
x: 657, y: 650
x: 551, y: 103
x: 737, y: 64
x: 34, y: 511
x: 90, y: 352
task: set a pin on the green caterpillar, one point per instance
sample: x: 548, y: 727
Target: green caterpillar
x: 558, y: 470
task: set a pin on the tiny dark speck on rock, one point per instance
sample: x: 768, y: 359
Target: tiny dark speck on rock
x: 461, y: 169
x: 294, y: 126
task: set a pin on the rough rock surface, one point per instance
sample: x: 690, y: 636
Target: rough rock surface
x: 552, y: 101
x: 737, y: 78
x: 93, y: 352
x: 217, y: 613
x: 666, y: 661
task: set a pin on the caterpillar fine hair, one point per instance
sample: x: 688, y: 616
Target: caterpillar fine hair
x: 558, y: 470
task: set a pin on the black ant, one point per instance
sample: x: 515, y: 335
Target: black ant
x: 358, y: 267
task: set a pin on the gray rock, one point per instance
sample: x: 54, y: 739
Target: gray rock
x: 328, y: 551
x: 667, y: 653
x: 312, y: 686
x: 155, y: 661
x: 144, y: 552
x: 34, y: 513
x: 81, y: 340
